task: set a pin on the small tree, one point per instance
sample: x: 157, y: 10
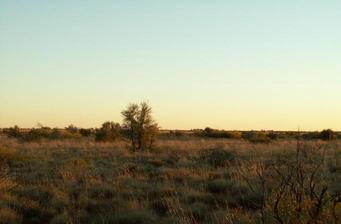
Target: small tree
x: 140, y: 125
x: 14, y: 132
x: 327, y: 135
x: 72, y: 129
x: 109, y: 131
x: 86, y: 132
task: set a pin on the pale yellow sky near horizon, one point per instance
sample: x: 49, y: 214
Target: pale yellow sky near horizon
x: 230, y: 65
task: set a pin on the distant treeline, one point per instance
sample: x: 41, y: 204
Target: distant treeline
x: 34, y: 134
x: 259, y: 136
x: 111, y: 131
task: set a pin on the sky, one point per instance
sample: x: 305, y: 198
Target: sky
x: 235, y: 65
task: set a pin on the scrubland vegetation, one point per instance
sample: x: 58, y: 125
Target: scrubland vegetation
x: 181, y: 180
x: 135, y: 174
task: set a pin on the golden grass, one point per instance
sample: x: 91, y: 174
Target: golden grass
x: 74, y: 178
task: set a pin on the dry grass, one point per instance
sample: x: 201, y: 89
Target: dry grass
x: 180, y: 181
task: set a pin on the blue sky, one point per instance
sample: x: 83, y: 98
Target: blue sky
x: 223, y: 64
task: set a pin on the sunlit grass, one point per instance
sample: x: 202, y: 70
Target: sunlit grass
x: 195, y: 180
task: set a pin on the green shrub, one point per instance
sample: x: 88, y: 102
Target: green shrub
x: 159, y: 191
x: 32, y: 212
x: 59, y: 219
x: 159, y: 206
x: 36, y: 134
x: 218, y: 186
x: 199, y: 196
x: 136, y: 216
x: 311, y: 135
x: 259, y: 137
x: 199, y: 210
x: 218, y: 157
x: 35, y: 193
x: 109, y: 131
x: 214, y: 133
x: 101, y: 191
x: 86, y: 132
x: 14, y: 132
x: 327, y: 135
x: 179, y: 133
x: 72, y: 129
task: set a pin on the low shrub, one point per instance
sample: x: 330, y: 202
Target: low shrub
x: 7, y: 216
x: 259, y: 137
x: 14, y: 132
x: 109, y: 131
x: 159, y: 206
x: 135, y: 216
x: 218, y: 157
x: 199, y: 196
x: 199, y: 210
x: 156, y: 162
x: 8, y: 156
x: 214, y: 133
x: 59, y: 219
x: 36, y: 134
x: 101, y: 192
x: 86, y: 132
x: 328, y: 135
x: 218, y: 186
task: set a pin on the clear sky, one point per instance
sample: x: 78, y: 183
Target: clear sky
x: 225, y: 64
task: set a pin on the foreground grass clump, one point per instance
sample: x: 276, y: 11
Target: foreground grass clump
x: 194, y: 180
